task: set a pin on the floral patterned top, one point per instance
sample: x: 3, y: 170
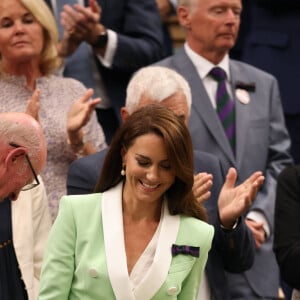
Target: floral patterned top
x: 56, y: 96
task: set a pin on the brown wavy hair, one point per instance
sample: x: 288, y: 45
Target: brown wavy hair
x: 164, y: 123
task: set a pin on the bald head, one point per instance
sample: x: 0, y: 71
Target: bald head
x: 21, y: 137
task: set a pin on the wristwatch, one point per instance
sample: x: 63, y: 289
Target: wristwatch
x: 101, y: 40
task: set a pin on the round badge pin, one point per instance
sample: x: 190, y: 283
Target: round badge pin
x: 243, y: 96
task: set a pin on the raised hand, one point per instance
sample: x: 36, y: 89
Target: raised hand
x: 202, y: 186
x: 234, y: 201
x: 80, y: 112
x: 80, y: 24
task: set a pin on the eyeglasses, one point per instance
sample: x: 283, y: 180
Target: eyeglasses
x: 35, y: 183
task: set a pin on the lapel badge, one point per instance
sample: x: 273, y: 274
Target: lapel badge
x: 242, y: 95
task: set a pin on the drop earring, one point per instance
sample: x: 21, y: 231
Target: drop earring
x: 123, y: 171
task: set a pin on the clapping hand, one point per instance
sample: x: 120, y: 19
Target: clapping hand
x: 80, y: 112
x: 234, y: 201
x: 202, y: 185
x: 80, y: 22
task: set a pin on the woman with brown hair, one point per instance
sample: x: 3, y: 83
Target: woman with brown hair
x: 143, y: 236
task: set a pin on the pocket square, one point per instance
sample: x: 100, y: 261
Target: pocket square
x: 186, y: 250
x: 249, y: 87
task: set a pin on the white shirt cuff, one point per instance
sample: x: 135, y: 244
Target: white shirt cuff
x: 259, y: 217
x: 111, y: 47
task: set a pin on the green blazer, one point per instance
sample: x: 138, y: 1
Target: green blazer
x: 85, y: 257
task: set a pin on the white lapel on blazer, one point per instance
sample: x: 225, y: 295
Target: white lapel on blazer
x: 21, y: 211
x: 114, y: 243
x: 158, y: 271
x: 115, y: 249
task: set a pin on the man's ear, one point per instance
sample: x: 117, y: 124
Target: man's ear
x: 183, y: 15
x: 124, y: 114
x: 14, y: 155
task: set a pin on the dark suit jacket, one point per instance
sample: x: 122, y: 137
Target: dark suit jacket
x: 262, y: 143
x: 139, y: 43
x: 272, y: 44
x: 232, y: 250
x: 287, y: 225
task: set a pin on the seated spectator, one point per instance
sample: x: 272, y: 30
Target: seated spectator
x: 28, y: 58
x: 25, y: 223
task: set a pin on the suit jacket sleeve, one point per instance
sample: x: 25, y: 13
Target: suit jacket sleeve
x: 81, y: 179
x: 59, y: 260
x: 235, y: 247
x: 84, y: 172
x: 140, y: 39
x: 287, y: 225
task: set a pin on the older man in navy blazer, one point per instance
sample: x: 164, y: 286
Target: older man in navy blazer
x: 233, y: 248
x: 261, y: 138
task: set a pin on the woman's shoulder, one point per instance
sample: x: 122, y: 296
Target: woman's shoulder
x: 191, y: 222
x: 81, y: 204
x: 196, y: 228
x: 66, y: 82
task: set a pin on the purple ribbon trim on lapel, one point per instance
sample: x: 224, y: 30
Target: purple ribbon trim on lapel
x: 186, y: 250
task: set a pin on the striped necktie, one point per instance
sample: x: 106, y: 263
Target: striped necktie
x: 225, y: 105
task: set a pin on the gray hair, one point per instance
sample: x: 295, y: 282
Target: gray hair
x: 15, y: 132
x: 158, y: 83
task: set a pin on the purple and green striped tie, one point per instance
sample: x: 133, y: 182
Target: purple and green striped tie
x: 225, y: 105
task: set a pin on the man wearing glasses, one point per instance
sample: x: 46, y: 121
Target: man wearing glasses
x: 22, y: 153
x: 24, y: 224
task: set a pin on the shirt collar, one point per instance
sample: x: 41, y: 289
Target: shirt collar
x: 203, y: 65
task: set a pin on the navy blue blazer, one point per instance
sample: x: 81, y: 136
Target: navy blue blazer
x: 272, y: 44
x: 232, y: 250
